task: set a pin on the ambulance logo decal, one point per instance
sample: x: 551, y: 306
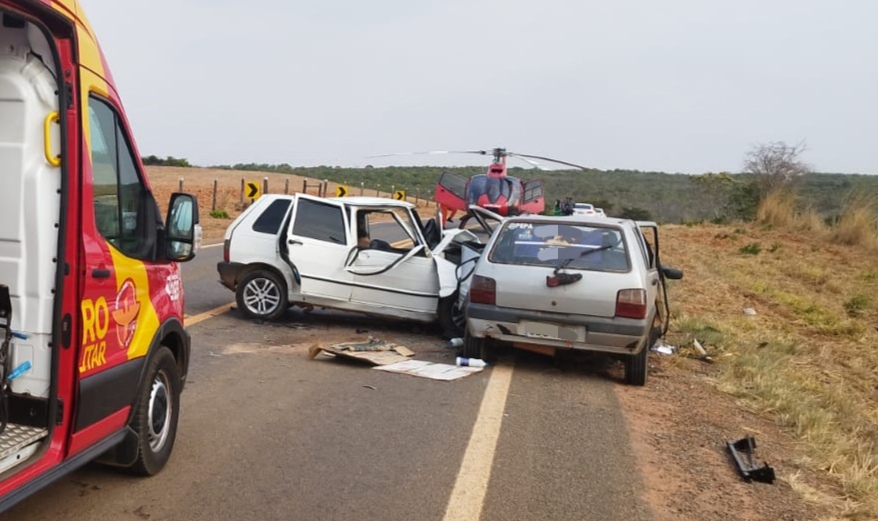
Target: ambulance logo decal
x: 125, y: 314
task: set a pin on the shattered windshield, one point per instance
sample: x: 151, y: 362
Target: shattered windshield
x: 583, y: 247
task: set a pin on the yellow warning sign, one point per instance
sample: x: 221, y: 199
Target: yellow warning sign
x: 399, y: 195
x: 341, y: 191
x: 253, y: 190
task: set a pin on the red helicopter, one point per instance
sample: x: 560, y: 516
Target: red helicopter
x: 495, y: 190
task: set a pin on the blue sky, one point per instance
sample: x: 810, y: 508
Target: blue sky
x: 679, y: 85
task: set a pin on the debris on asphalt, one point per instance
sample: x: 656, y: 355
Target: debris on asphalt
x: 662, y: 348
x: 743, y: 449
x: 361, y: 331
x: 370, y: 387
x: 373, y: 351
x: 434, y: 371
x: 750, y: 312
x: 455, y: 342
x: 469, y: 362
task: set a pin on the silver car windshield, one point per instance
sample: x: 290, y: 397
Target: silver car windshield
x: 572, y: 246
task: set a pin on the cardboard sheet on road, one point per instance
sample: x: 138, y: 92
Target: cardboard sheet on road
x: 373, y: 351
x: 430, y: 370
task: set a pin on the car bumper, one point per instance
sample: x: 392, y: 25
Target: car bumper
x: 228, y: 273
x: 608, y: 335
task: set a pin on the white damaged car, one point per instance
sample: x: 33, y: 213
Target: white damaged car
x: 362, y: 254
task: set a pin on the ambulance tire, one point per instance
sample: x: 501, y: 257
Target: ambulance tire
x: 156, y: 415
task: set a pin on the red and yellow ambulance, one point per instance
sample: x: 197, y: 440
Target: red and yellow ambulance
x: 93, y: 352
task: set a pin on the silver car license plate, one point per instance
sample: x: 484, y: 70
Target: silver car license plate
x: 552, y: 331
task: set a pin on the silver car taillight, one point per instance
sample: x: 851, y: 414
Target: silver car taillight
x: 483, y: 290
x: 631, y: 303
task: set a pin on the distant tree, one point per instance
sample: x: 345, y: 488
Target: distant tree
x: 169, y: 161
x: 776, y: 165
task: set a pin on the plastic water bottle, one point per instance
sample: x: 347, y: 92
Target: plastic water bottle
x: 18, y: 371
x: 455, y: 342
x: 470, y: 362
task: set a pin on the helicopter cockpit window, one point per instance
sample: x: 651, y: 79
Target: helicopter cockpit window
x: 391, y: 230
x: 477, y: 187
x: 497, y: 190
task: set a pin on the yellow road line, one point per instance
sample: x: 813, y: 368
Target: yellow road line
x: 400, y: 244
x: 201, y: 317
x: 468, y: 496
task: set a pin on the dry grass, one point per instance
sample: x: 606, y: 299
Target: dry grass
x: 807, y: 358
x: 777, y: 209
x: 857, y: 224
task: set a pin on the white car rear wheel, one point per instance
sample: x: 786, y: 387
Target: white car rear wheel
x: 262, y: 295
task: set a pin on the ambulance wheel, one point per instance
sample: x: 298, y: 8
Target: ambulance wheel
x: 155, y: 419
x: 262, y: 295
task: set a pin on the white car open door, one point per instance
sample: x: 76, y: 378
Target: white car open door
x: 399, y: 275
x: 319, y: 245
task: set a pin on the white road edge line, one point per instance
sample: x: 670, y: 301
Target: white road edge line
x: 217, y: 245
x: 468, y: 496
x: 201, y: 317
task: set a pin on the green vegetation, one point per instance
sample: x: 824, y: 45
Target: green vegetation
x: 666, y: 198
x: 219, y: 214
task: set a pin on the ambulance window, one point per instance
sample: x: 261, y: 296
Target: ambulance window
x: 120, y: 197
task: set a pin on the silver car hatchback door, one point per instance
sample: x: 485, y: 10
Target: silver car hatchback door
x: 524, y: 255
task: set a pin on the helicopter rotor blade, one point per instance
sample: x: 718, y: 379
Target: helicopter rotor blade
x: 574, y: 165
x: 479, y: 152
x: 529, y: 161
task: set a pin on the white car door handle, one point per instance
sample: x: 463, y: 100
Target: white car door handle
x: 293, y: 241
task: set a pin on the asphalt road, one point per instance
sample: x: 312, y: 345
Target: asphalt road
x: 267, y: 433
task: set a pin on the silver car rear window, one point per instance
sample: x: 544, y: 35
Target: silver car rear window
x: 576, y: 246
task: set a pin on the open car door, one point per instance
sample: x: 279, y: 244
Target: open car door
x: 318, y: 244
x: 399, y: 276
x: 451, y: 191
x: 533, y: 201
x: 649, y: 236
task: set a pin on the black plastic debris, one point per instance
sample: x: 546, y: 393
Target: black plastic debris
x: 742, y: 454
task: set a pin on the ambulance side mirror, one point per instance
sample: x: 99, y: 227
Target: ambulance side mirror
x: 182, y: 231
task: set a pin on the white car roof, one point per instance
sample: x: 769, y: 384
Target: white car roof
x: 351, y: 201
x: 371, y: 201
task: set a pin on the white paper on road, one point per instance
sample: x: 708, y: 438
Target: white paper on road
x: 430, y: 370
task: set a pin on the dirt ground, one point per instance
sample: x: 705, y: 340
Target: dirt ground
x: 679, y: 423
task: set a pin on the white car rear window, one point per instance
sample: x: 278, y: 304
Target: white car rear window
x: 574, y: 246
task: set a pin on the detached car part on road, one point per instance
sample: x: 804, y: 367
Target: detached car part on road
x: 590, y: 283
x: 302, y: 250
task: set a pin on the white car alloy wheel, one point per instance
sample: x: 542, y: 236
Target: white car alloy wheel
x: 262, y: 295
